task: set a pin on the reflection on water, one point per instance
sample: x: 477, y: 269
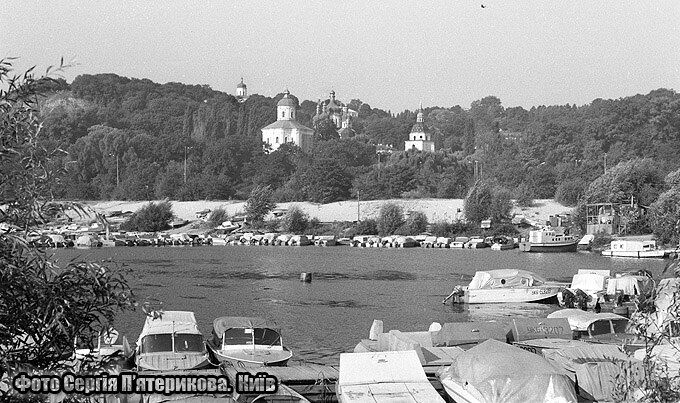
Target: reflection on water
x: 350, y: 287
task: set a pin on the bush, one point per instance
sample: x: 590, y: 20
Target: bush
x: 601, y: 240
x: 217, y: 217
x: 415, y: 224
x: 295, y: 221
x: 150, y: 218
x: 441, y: 228
x: 391, y: 218
x: 506, y: 229
x: 366, y: 227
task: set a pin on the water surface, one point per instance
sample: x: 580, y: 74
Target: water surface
x: 350, y: 287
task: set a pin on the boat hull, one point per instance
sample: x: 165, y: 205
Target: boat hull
x: 659, y: 254
x: 549, y: 247
x: 276, y: 358
x: 508, y: 295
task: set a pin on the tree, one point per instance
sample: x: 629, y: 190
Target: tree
x: 43, y: 307
x: 295, y: 220
x: 416, y: 223
x: 325, y: 181
x: 569, y: 192
x: 487, y: 200
x: 260, y: 203
x: 665, y: 217
x: 391, y: 219
x: 150, y: 218
x: 324, y: 129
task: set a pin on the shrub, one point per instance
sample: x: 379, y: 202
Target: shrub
x: 150, y: 218
x: 505, y: 229
x: 366, y: 227
x: 601, y: 240
x: 416, y: 223
x: 441, y: 228
x: 295, y: 220
x: 391, y: 218
x: 217, y: 217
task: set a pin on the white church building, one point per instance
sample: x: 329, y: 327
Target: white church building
x: 420, y: 137
x: 286, y: 129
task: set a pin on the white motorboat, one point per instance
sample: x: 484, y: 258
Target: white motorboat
x: 506, y: 285
x: 635, y: 249
x: 248, y: 340
x: 171, y: 341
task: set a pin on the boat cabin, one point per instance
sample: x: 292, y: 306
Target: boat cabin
x: 590, y: 325
x: 245, y: 332
x: 549, y: 235
x: 168, y: 336
x: 633, y: 246
x: 504, y: 278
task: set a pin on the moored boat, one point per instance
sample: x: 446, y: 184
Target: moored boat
x: 604, y: 327
x: 549, y: 239
x: 506, y: 285
x: 634, y: 249
x: 498, y: 372
x: 395, y: 376
x: 171, y: 341
x: 249, y: 340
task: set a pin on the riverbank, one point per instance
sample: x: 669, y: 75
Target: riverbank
x: 349, y: 210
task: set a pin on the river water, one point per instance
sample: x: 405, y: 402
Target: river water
x: 350, y: 287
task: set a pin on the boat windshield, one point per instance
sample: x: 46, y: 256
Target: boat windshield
x: 188, y: 342
x: 620, y: 326
x: 158, y: 343
x: 600, y: 327
x: 258, y: 336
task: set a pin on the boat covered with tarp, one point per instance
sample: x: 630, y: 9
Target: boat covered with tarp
x: 495, y: 371
x: 395, y: 376
x: 171, y: 341
x: 250, y: 340
x: 593, y: 367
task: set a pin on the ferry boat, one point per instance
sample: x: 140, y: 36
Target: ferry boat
x: 549, y: 239
x: 249, y: 340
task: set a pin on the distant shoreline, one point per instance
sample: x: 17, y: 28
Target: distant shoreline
x: 348, y: 210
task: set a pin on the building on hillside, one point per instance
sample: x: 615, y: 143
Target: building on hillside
x: 241, y: 91
x: 286, y: 129
x: 420, y: 137
x: 339, y: 113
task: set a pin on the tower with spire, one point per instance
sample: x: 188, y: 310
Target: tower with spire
x: 286, y: 129
x: 241, y: 91
x: 420, y: 137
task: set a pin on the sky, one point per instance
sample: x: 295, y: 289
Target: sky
x: 389, y: 54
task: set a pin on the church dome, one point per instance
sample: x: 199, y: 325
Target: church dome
x: 286, y: 100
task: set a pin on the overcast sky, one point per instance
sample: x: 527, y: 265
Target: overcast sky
x: 390, y: 54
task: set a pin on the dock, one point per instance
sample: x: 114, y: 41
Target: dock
x: 315, y: 382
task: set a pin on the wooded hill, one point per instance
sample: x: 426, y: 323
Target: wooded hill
x: 128, y: 138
